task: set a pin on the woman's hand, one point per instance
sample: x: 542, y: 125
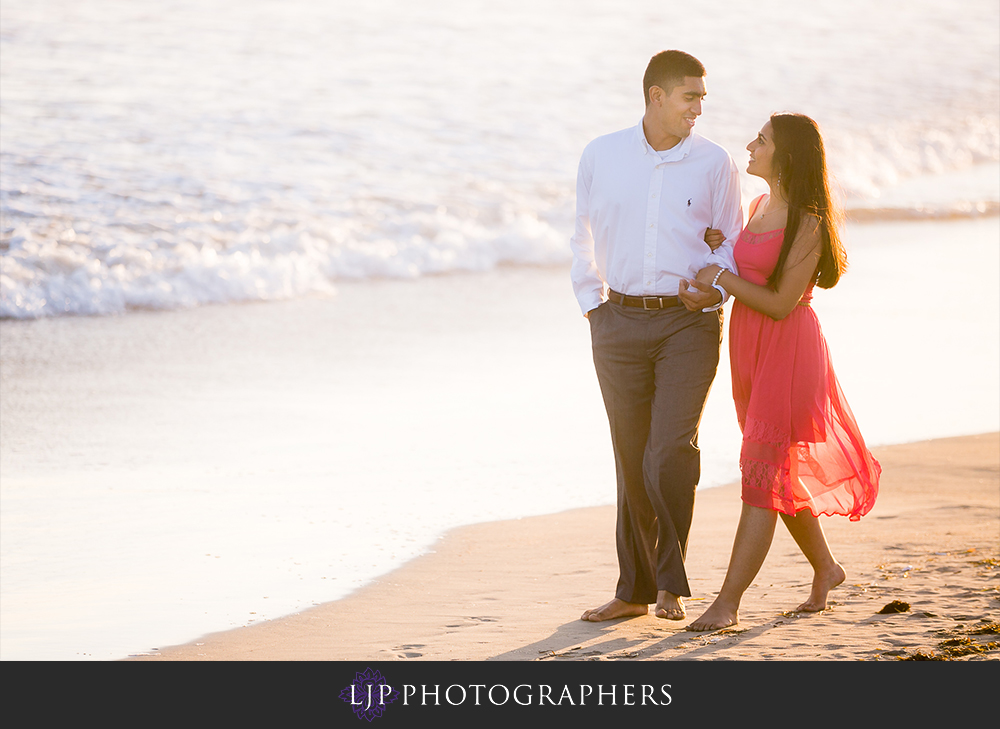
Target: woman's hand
x: 714, y: 238
x: 707, y: 274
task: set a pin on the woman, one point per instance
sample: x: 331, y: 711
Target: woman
x: 802, y: 453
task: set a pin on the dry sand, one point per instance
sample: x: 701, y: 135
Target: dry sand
x: 514, y: 590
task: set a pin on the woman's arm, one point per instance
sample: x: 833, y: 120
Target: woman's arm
x: 800, y: 268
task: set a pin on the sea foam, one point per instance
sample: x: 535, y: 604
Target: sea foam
x: 231, y: 152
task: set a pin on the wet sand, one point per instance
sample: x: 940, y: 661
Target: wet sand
x: 167, y: 475
x: 514, y: 590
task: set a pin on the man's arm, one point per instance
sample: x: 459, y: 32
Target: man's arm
x: 587, y: 283
x: 727, y: 216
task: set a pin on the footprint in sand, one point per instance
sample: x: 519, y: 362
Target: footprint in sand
x: 473, y: 619
x: 408, y: 651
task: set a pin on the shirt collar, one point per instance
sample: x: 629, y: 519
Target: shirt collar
x: 678, y: 152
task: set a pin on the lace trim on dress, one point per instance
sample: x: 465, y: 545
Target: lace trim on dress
x: 761, y: 432
x: 754, y: 238
x: 765, y: 459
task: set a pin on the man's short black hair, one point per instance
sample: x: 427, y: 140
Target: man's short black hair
x: 668, y: 69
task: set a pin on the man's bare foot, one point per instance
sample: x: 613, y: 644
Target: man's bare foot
x: 614, y: 609
x: 823, y: 582
x: 669, y: 606
x: 715, y: 618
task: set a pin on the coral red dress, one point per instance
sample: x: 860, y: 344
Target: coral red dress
x: 801, y: 446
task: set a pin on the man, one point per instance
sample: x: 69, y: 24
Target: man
x: 645, y: 198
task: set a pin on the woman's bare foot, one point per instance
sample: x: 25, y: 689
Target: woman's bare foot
x: 669, y: 606
x: 823, y: 582
x: 614, y: 609
x: 715, y: 618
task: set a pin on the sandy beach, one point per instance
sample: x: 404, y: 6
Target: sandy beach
x: 169, y: 475
x: 272, y: 347
x: 513, y: 590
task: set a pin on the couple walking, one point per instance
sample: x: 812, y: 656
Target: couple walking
x: 657, y: 251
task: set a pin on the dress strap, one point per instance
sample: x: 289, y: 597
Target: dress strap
x: 754, y: 205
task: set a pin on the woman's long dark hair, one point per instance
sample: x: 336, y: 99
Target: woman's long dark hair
x: 801, y: 163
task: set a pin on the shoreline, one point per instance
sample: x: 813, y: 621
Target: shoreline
x: 513, y: 590
x: 261, y: 459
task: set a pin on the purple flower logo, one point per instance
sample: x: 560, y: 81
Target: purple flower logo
x: 369, y: 694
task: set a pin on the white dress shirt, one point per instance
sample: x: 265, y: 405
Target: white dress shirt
x: 641, y: 215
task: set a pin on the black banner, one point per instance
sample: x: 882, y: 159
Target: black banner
x: 419, y: 693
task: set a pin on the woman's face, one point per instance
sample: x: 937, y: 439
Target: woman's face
x: 761, y: 152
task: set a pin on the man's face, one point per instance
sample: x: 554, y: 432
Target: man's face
x: 677, y: 111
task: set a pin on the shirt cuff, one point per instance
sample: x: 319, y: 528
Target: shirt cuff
x: 589, y: 303
x: 724, y: 297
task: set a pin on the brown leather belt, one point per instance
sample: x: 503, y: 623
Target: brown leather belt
x: 644, y: 302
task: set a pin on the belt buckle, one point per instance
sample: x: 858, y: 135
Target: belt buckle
x: 657, y: 299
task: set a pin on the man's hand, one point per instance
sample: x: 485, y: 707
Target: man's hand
x: 704, y: 295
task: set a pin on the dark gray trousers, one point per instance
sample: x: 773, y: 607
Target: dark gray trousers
x: 655, y: 369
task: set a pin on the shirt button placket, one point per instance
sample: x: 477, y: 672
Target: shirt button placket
x: 652, y: 223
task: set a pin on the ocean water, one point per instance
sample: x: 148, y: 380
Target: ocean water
x: 304, y: 229
x: 165, y: 155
